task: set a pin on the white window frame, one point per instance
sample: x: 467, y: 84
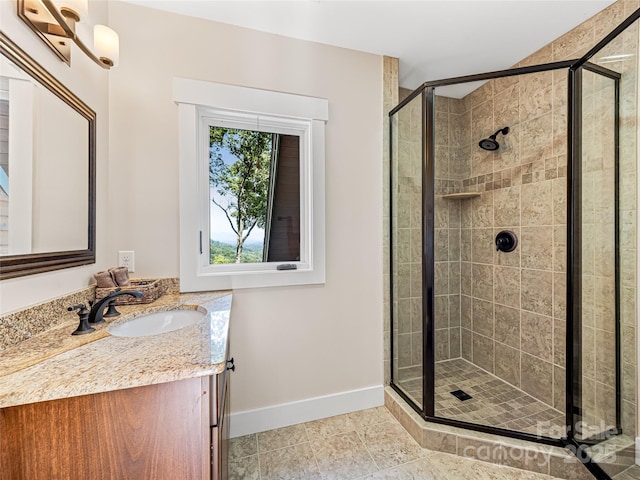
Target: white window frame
x: 204, y: 104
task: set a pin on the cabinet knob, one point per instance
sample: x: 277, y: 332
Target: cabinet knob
x: 230, y: 364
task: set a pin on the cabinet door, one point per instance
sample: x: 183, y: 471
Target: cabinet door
x: 158, y: 432
x: 220, y: 430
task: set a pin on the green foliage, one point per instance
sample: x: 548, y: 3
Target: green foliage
x: 243, y: 184
x: 225, y: 253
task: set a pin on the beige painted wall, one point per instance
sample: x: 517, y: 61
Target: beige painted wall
x: 90, y: 83
x: 290, y: 343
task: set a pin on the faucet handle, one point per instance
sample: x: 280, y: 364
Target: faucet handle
x: 81, y: 306
x: 83, y: 315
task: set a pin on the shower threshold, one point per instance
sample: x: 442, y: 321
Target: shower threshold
x: 502, y: 450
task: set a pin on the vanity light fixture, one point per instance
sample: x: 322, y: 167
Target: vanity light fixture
x: 56, y: 22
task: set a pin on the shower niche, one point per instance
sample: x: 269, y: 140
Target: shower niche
x: 534, y: 339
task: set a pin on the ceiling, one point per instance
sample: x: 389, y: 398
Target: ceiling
x: 434, y: 39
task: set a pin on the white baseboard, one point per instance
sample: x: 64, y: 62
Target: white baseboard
x: 286, y: 414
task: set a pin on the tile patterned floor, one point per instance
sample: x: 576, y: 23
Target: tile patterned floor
x: 495, y: 402
x: 365, y: 445
x: 632, y: 473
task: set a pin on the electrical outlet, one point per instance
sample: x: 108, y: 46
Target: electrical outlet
x: 126, y: 258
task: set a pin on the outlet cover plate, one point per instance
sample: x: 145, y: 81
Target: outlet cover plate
x: 126, y: 258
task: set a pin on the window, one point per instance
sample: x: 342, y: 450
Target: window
x: 251, y: 187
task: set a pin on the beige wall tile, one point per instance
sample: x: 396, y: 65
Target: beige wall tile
x: 507, y: 325
x: 466, y: 311
x: 575, y: 43
x: 483, y: 245
x: 559, y: 388
x: 441, y: 313
x: 454, y: 310
x: 507, y: 286
x: 454, y: 342
x: 535, y: 95
x: 482, y: 315
x: 536, y: 204
x: 537, y: 290
x: 508, y: 364
x: 559, y: 295
x: 416, y: 348
x: 483, y: 348
x: 482, y: 120
x: 537, y: 335
x: 482, y: 278
x: 482, y: 211
x: 537, y: 247
x: 559, y: 248
x: 506, y: 104
x: 559, y: 341
x: 537, y: 378
x: 507, y: 207
x: 467, y: 344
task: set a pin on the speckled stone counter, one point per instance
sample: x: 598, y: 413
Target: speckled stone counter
x: 55, y: 365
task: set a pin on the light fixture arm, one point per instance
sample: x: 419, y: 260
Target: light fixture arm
x: 64, y: 26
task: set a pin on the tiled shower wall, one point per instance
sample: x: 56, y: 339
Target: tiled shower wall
x: 447, y: 217
x: 512, y: 305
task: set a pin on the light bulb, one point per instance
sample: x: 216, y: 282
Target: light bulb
x: 106, y: 45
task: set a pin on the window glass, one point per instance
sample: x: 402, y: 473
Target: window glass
x: 254, y: 193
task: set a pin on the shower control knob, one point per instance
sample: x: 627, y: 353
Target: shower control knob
x: 506, y: 241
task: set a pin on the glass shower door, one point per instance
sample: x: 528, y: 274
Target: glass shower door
x: 599, y: 332
x: 604, y: 154
x: 406, y: 250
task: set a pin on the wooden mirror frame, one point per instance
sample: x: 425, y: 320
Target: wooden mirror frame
x: 28, y: 264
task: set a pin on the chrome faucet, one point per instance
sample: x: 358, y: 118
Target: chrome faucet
x: 97, y: 309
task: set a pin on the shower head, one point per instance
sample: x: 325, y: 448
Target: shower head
x: 490, y: 143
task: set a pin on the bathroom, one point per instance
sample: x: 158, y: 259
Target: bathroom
x: 136, y: 129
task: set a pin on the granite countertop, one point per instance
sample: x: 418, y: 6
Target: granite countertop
x: 55, y: 364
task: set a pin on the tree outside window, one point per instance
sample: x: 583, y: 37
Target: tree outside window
x: 239, y: 168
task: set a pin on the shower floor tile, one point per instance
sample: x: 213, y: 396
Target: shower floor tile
x: 494, y: 402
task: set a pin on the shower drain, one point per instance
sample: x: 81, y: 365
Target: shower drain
x: 461, y: 395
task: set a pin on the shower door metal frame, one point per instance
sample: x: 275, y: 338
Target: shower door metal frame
x: 427, y: 90
x: 575, y: 246
x: 428, y: 249
x: 574, y: 266
x: 573, y: 312
x: 574, y: 243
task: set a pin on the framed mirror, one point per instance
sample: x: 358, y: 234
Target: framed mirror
x: 47, y: 170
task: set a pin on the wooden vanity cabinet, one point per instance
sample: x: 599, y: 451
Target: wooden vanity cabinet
x: 153, y: 432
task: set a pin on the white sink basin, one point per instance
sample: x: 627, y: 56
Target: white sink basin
x: 155, y: 323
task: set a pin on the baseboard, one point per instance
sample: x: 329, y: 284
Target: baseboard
x: 637, y: 450
x: 286, y: 414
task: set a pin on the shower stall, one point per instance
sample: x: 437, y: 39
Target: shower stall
x: 513, y: 249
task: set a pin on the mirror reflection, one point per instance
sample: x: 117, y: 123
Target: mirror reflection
x: 43, y: 168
